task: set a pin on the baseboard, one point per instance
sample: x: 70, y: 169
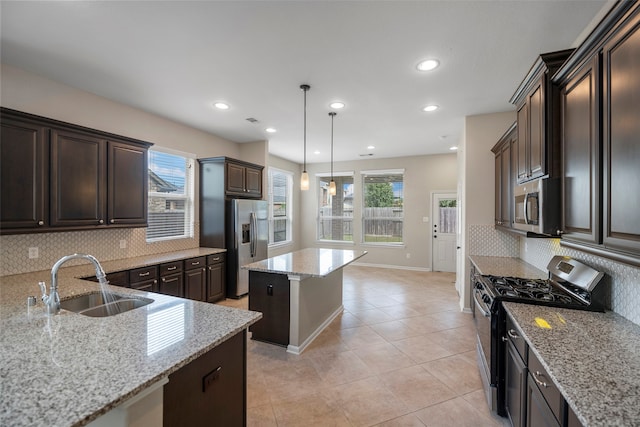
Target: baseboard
x: 299, y: 349
x: 395, y: 267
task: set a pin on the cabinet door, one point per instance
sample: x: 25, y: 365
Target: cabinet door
x: 127, y: 201
x: 269, y: 294
x: 523, y: 142
x: 621, y: 126
x: 253, y: 181
x: 77, y: 179
x: 172, y: 284
x: 505, y: 186
x: 195, y: 284
x: 498, y: 188
x: 150, y: 285
x: 215, y: 282
x: 211, y: 390
x: 235, y: 178
x: 538, y: 412
x: 24, y: 159
x: 516, y: 387
x: 537, y: 131
x: 581, y: 156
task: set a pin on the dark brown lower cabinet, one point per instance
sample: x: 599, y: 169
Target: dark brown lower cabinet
x: 539, y: 413
x: 269, y: 294
x: 211, y: 390
x: 144, y: 278
x: 545, y: 403
x: 516, y: 387
x: 195, y: 278
x: 171, y: 280
x: 215, y: 277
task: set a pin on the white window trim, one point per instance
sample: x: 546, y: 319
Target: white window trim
x: 189, y: 196
x: 289, y: 218
x: 364, y: 173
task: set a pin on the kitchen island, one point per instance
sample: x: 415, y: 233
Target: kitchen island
x: 69, y: 369
x: 299, y: 294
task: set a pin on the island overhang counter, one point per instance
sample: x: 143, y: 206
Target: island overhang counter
x: 299, y: 294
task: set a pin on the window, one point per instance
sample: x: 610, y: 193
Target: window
x: 383, y: 213
x: 170, y: 196
x: 335, y: 217
x: 280, y: 185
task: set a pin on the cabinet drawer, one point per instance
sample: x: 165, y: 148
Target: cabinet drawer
x: 119, y: 278
x: 513, y: 335
x: 215, y: 258
x: 545, y: 384
x: 143, y: 274
x: 170, y: 268
x: 192, y: 263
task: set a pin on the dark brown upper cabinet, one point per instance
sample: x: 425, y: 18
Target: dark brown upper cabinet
x: 504, y: 177
x: 581, y: 154
x: 24, y: 166
x: 537, y: 103
x: 621, y: 131
x: 58, y: 176
x: 601, y: 148
x: 243, y: 179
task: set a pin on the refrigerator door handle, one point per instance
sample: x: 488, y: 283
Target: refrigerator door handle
x: 252, y: 232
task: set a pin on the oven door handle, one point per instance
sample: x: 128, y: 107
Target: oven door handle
x: 481, y: 304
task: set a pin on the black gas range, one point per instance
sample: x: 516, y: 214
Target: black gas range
x: 571, y: 284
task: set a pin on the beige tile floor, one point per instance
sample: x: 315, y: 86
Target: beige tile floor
x: 401, y: 354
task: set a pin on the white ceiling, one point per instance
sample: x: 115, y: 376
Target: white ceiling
x: 175, y: 58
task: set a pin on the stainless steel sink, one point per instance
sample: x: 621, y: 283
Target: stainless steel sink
x: 103, y: 304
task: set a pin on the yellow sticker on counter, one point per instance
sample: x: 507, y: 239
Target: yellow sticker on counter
x: 542, y: 323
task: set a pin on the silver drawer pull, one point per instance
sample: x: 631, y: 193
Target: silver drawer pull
x: 216, y: 259
x: 512, y: 334
x: 536, y: 374
x: 195, y: 263
x: 144, y: 274
x: 171, y: 268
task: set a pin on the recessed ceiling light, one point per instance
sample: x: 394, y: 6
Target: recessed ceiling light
x: 337, y: 105
x: 270, y: 130
x: 316, y: 152
x: 370, y: 147
x: 454, y: 148
x: 221, y: 105
x: 429, y: 108
x: 428, y: 64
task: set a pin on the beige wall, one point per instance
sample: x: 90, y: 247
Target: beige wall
x: 481, y: 132
x: 423, y: 175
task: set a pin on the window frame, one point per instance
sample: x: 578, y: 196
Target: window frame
x: 363, y: 234
x: 188, y: 197
x: 289, y: 207
x: 318, y: 177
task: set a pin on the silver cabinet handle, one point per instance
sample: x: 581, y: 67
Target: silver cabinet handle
x: 195, y: 263
x: 512, y: 334
x: 144, y: 274
x: 171, y: 268
x: 40, y: 222
x: 540, y: 383
x: 216, y: 259
x: 100, y: 221
x: 113, y: 221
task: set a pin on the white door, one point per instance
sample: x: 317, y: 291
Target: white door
x: 444, y: 229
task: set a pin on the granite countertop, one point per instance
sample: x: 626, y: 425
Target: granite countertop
x: 68, y: 369
x: 313, y: 262
x: 594, y: 359
x: 504, y: 266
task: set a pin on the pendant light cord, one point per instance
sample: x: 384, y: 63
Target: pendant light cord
x: 305, y: 88
x: 332, y: 114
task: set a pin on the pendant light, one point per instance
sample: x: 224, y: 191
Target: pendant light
x: 332, y: 185
x: 304, y: 179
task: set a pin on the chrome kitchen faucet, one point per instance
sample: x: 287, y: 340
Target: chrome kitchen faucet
x: 52, y: 301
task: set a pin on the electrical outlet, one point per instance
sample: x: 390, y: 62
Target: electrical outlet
x: 123, y: 244
x: 526, y: 247
x: 408, y: 255
x: 34, y: 253
x: 425, y: 219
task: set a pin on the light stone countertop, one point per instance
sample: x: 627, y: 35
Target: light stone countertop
x: 593, y: 358
x: 68, y: 369
x: 313, y: 262
x: 504, y: 266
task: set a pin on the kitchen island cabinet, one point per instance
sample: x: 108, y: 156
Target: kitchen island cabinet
x: 71, y: 369
x: 313, y: 277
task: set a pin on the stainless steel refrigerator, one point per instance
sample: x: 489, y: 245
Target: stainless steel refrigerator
x: 247, y: 238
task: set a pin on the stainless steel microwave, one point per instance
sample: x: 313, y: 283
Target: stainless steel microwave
x: 537, y: 206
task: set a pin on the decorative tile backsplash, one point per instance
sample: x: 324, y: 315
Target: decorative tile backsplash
x: 103, y: 244
x: 624, y: 280
x: 485, y: 240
